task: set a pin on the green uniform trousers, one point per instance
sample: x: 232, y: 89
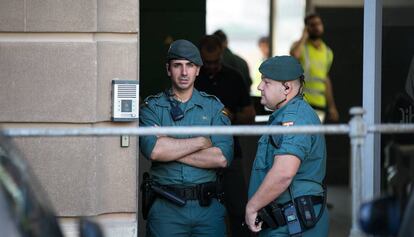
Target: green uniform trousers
x: 192, y: 220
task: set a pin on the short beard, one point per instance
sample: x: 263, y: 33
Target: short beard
x: 315, y: 37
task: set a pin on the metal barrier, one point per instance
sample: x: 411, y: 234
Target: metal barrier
x: 357, y: 130
x: 185, y: 130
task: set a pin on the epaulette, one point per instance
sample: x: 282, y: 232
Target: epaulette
x: 202, y: 93
x: 150, y: 99
x: 153, y: 97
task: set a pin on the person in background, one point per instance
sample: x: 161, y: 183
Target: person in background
x: 316, y: 58
x: 226, y: 83
x: 264, y: 47
x: 233, y: 60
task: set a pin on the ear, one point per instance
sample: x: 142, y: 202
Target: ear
x: 288, y: 87
x: 167, y: 67
x: 198, y: 70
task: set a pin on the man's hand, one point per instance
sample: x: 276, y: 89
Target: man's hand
x: 296, y: 49
x: 168, y: 149
x: 305, y: 34
x: 206, y: 142
x: 250, y: 219
x: 333, y: 114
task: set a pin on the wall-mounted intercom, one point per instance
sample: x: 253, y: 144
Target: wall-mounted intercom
x: 124, y: 100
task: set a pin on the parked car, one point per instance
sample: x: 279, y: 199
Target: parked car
x: 25, y: 209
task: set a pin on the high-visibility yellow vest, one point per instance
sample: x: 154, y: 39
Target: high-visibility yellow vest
x: 257, y: 78
x: 316, y: 64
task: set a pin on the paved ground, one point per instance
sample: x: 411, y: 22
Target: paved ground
x: 340, y: 213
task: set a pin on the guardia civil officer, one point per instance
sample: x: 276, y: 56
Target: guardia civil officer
x: 185, y: 165
x: 286, y: 195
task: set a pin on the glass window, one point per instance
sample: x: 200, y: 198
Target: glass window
x: 244, y: 22
x: 288, y: 24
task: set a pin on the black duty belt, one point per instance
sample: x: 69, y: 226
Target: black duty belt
x: 188, y: 193
x: 315, y: 200
x: 203, y: 192
x: 273, y: 215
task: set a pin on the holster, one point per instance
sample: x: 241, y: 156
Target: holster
x: 306, y: 213
x: 148, y: 196
x: 273, y: 217
x: 206, y: 192
x: 209, y: 190
x: 268, y: 222
x: 220, y: 194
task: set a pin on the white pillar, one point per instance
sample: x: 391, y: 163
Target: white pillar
x: 357, y: 134
x: 372, y: 96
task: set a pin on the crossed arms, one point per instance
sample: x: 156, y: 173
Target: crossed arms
x: 207, y: 152
x: 197, y: 151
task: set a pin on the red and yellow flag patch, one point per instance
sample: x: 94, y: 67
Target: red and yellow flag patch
x: 287, y: 124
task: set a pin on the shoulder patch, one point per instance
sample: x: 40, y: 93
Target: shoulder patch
x: 225, y: 113
x: 287, y: 124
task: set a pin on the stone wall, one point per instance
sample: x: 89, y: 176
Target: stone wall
x: 57, y: 61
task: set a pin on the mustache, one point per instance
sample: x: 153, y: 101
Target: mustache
x: 315, y: 36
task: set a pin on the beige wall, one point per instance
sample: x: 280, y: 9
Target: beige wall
x: 57, y: 60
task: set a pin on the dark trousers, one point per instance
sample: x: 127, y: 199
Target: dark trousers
x: 235, y: 198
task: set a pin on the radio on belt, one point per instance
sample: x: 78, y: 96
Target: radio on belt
x: 125, y: 100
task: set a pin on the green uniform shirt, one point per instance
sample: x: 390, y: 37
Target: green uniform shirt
x: 201, y: 110
x: 309, y: 148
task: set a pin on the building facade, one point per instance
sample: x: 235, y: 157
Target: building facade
x: 57, y: 62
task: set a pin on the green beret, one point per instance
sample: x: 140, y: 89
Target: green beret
x: 281, y: 68
x: 184, y: 49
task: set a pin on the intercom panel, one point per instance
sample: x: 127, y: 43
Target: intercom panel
x: 125, y: 100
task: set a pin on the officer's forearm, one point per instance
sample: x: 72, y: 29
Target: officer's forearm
x: 208, y: 158
x: 272, y: 186
x: 170, y: 149
x: 329, y: 94
x: 277, y: 180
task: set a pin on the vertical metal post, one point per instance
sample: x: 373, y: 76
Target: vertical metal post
x: 372, y: 96
x: 137, y: 199
x: 272, y: 24
x: 357, y: 134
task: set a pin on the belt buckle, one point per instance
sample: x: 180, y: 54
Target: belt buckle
x: 187, y: 193
x: 190, y: 193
